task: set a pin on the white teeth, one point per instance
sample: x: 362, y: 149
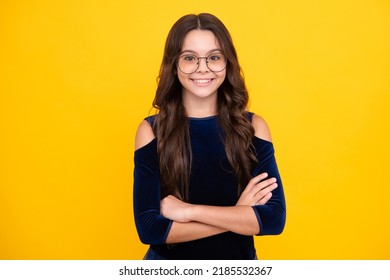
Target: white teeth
x: 202, y: 81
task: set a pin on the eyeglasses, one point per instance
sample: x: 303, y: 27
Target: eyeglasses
x: 189, y: 63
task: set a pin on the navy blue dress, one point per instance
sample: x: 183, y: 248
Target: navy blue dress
x: 212, y: 182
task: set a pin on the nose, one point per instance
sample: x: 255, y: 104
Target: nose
x: 202, y: 67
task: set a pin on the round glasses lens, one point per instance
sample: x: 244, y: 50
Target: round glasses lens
x: 188, y: 63
x: 216, y: 62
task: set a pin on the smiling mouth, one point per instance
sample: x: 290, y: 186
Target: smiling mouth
x: 202, y: 82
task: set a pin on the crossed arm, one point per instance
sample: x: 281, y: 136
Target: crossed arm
x: 193, y: 222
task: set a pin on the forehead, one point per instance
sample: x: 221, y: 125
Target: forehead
x: 200, y: 41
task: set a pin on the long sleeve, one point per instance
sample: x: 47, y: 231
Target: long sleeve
x: 272, y: 215
x: 152, y: 227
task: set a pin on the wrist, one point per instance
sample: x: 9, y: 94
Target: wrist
x: 192, y: 212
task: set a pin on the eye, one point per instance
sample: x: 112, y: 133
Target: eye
x: 189, y: 58
x: 215, y: 57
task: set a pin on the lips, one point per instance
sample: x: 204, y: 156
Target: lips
x: 202, y: 82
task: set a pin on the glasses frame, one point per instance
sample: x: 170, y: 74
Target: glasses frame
x: 198, y: 63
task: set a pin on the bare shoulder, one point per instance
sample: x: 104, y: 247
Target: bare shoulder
x: 144, y: 135
x: 261, y: 128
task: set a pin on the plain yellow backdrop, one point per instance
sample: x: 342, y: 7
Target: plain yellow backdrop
x: 78, y: 76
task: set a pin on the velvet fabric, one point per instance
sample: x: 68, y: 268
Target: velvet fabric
x: 212, y: 182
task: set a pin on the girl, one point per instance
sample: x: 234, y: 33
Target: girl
x: 205, y: 176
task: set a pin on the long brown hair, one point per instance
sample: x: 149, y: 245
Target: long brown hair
x: 171, y: 123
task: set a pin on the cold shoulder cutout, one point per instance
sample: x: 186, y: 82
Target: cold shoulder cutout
x: 261, y: 128
x: 144, y: 135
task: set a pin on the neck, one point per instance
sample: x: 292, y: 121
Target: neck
x: 200, y: 107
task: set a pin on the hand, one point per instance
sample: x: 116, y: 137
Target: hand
x: 258, y: 191
x: 175, y: 209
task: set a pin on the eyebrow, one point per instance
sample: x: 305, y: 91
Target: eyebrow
x: 194, y: 52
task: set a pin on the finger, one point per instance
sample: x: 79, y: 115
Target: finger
x: 259, y: 186
x: 263, y: 192
x: 255, y: 180
x: 263, y: 184
x: 265, y: 199
x: 259, y: 177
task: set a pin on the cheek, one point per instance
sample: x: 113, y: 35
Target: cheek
x: 222, y: 77
x: 182, y: 77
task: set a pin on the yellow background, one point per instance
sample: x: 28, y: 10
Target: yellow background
x: 78, y: 76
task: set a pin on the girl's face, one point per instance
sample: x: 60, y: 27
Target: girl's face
x: 203, y: 83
